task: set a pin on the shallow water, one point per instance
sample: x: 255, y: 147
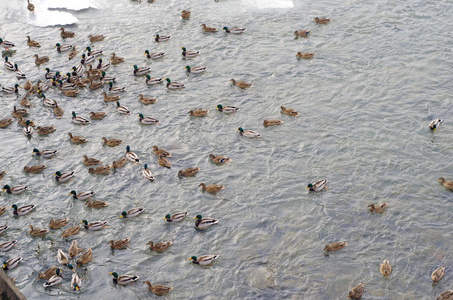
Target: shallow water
x: 381, y: 73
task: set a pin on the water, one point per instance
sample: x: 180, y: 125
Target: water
x: 380, y: 74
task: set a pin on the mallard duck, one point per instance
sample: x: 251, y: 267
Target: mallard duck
x: 185, y: 14
x: 335, y: 246
x: 76, y: 282
x: 211, y: 188
x: 28, y: 130
x: 6, y: 246
x: 111, y: 142
x: 317, y: 185
x: 241, y: 84
x: 85, y: 258
x: 123, y: 279
x: 15, y: 190
x: 301, y: 33
x: 94, y: 53
x: 146, y: 100
x: 6, y: 44
x: 377, y: 208
x: 447, y: 184
x: 163, y: 162
x: 357, y: 291
x: 159, y: 247
x: 37, y: 231
x: 119, y: 163
x: 158, y: 289
x: 11, y: 263
x: 71, y: 231
x: 94, y: 225
x: 119, y: 244
x: 152, y: 80
x: 445, y: 295
x: 289, y: 111
x: 96, y: 38
x: 77, y: 139
x: 86, y: 60
x: 102, y: 66
x: 122, y: 109
x: 248, y: 133
x: 79, y: 120
x: 198, y: 112
x: 72, y: 53
x: 176, y: 217
x: 45, y: 153
x: 2, y: 211
x: 46, y: 101
x: 23, y: 122
x: 69, y: 93
x: 305, y: 55
x: 116, y: 59
x: 11, y: 89
x: 105, y: 79
x: 47, y: 273
x: 189, y: 54
x: 40, y: 60
x: 27, y: 87
x: 110, y: 98
x: 54, y: 280
x: 5, y: 122
x: 100, y: 170
x: 272, y: 122
x: 162, y: 38
x: 94, y: 85
x: 174, y: 85
x: 34, y: 169
x: 63, y: 48
x: 208, y: 29
x: 147, y: 173
x: 154, y: 55
x: 188, y: 172
x: 19, y: 112
x: 219, y: 159
x: 24, y: 101
x: 96, y: 204
x: 437, y: 274
x: 63, y: 177
x: 82, y: 195
x: 97, y: 115
x: 43, y: 130
x: 8, y: 65
x: 66, y: 34
x: 321, y: 20
x: 140, y: 71
x: 148, y: 120
x: 115, y: 90
x: 205, y: 260
x: 23, y: 210
x: 234, y: 30
x: 30, y: 6
x: 385, y: 268
x: 433, y: 125
x: 19, y: 74
x: 195, y: 70
x: 3, y: 227
x: 51, y: 75
x: 203, y: 223
x: 132, y: 212
x: 160, y: 152
x: 131, y: 155
x: 58, y: 223
x: 58, y: 111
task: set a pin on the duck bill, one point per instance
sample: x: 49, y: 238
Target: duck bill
x: 190, y: 258
x: 306, y: 187
x: 194, y: 218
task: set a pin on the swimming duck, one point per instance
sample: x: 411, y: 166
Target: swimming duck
x: 23, y: 210
x: 54, y: 280
x: 8, y: 65
x: 198, y: 112
x: 203, y: 223
x: 132, y: 212
x: 357, y: 291
x: 335, y: 246
x: 163, y: 162
x: 205, y: 260
x: 58, y: 223
x: 115, y: 90
x: 86, y: 59
x: 71, y: 231
x: 211, y: 188
x: 106, y: 79
x: 50, y: 75
x: 174, y: 85
x: 433, y: 125
x: 377, y: 208
x: 85, y: 258
x: 66, y: 34
x: 159, y: 247
x: 94, y: 53
x: 27, y: 86
x: 47, y: 273
x: 116, y: 59
x: 96, y: 38
x: 28, y: 130
x: 119, y: 163
x: 58, y: 111
x: 248, y: 133
x: 119, y: 244
x: 152, y: 80
x: 162, y: 38
x: 37, y: 231
x: 96, y: 204
x: 437, y: 274
x: 77, y: 139
x: 289, y: 111
x: 6, y: 246
x: 241, y: 84
x: 148, y: 120
x: 132, y: 156
x: 445, y: 295
x: 76, y: 282
x: 111, y: 142
x: 154, y: 55
x: 272, y: 122
x: 146, y: 100
x: 11, y: 263
x: 110, y: 98
x: 19, y: 112
x: 385, y: 268
x: 63, y: 177
x: 6, y: 44
x: 15, y: 190
x: 234, y: 30
x: 123, y: 279
x: 147, y: 173
x: 11, y: 89
x: 185, y: 14
x: 43, y: 130
x: 97, y: 115
x: 2, y: 211
x: 176, y: 217
x: 122, y: 109
x: 100, y: 170
x: 447, y: 184
x: 23, y: 122
x: 72, y: 53
x: 30, y: 6
x: 321, y: 20
x: 45, y: 153
x: 161, y: 152
x: 24, y: 101
x: 189, y: 54
x: 34, y: 169
x: 94, y: 225
x: 40, y: 60
x: 79, y: 120
x: 208, y: 29
x: 82, y: 195
x: 94, y: 85
x: 195, y: 70
x: 102, y: 66
x: 317, y: 185
x: 5, y: 122
x: 69, y: 93
x: 188, y: 172
x: 158, y: 289
x: 140, y: 71
x: 19, y: 74
x: 46, y: 101
x: 63, y: 48
x: 305, y: 55
x: 301, y: 33
x: 218, y: 159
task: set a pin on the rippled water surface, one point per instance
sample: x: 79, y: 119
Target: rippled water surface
x: 381, y: 73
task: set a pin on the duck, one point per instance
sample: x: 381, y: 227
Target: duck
x: 47, y: 273
x: 228, y: 109
x: 163, y: 162
x: 203, y: 223
x: 289, y: 111
x: 71, y: 231
x: 8, y: 65
x: 110, y: 98
x: 335, y: 246
x: 45, y: 153
x: 58, y: 223
x: 119, y: 244
x: 50, y: 75
x: 72, y: 53
x: 437, y: 274
x: 82, y: 195
x: 115, y: 90
x: 79, y: 120
x: 100, y: 170
x: 158, y: 289
x: 37, y: 231
x: 146, y: 100
x: 174, y: 85
x: 94, y: 225
x: 19, y: 74
x: 447, y: 184
x: 154, y: 55
x: 357, y: 291
x: 188, y: 172
x: 30, y: 6
x: 6, y: 44
x: 163, y: 38
x: 2, y: 211
x: 385, y: 268
x: 148, y: 120
x: 27, y: 86
x: 11, y: 263
x: 19, y: 112
x: 3, y: 227
x: 219, y: 159
x: 305, y: 55
x: 96, y: 204
x: 116, y: 59
x: 54, y: 280
x: 96, y: 37
x: 46, y: 101
x: 248, y: 133
x: 433, y: 125
x: 131, y: 155
x: 105, y: 79
x: 77, y: 139
x: 28, y: 130
x: 86, y: 60
x: 189, y: 54
x: 85, y: 258
x: 63, y: 177
x: 147, y: 173
x: 132, y: 212
x: 161, y: 152
x: 58, y: 111
x: 140, y: 71
x: 211, y: 188
x: 176, y: 217
x: 94, y: 53
x: 119, y: 163
x: 123, y: 279
x: 102, y: 66
x: 159, y: 247
x: 5, y: 122
x: 195, y: 70
x: 445, y: 295
x: 23, y: 122
x: 301, y: 33
x: 122, y: 109
x: 234, y: 30
x: 23, y: 210
x: 32, y: 43
x: 205, y: 260
x: 111, y: 142
x: 11, y: 89
x: 6, y: 246
x: 185, y: 14
x: 69, y: 93
x: 208, y: 29
x: 66, y: 34
x: 241, y: 84
x: 272, y: 122
x: 317, y: 185
x: 40, y: 60
x: 15, y: 190
x: 94, y: 85
x: 63, y: 48
x: 34, y: 169
x: 43, y: 130
x: 24, y: 101
x: 97, y: 115
x: 153, y: 80
x: 76, y: 282
x: 321, y: 20
x: 377, y: 208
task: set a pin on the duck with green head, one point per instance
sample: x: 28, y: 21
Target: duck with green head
x: 123, y: 279
x: 317, y: 185
x: 140, y: 71
x: 154, y: 55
